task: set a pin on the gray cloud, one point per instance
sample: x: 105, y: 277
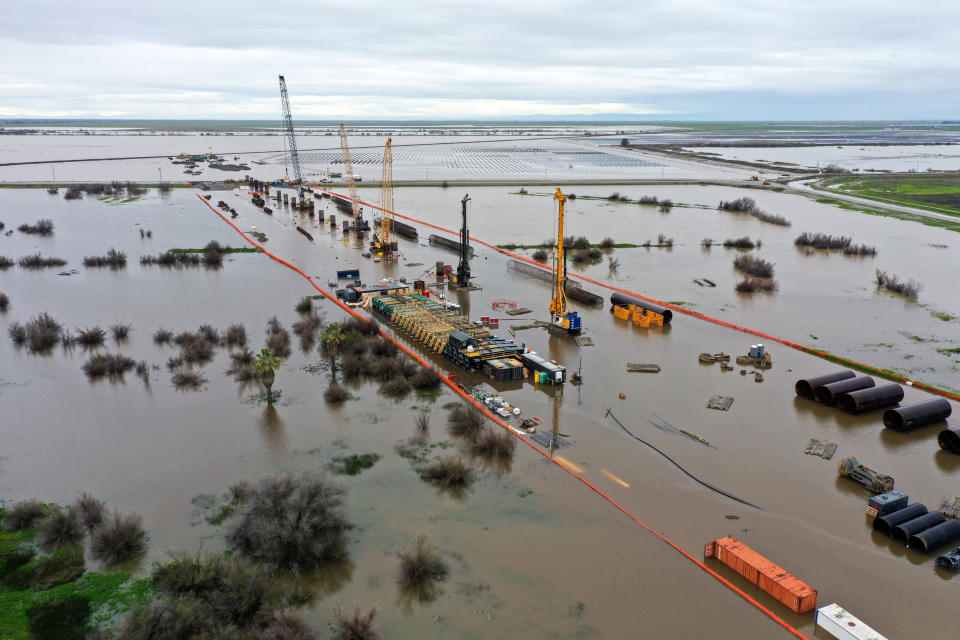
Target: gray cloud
x: 735, y: 59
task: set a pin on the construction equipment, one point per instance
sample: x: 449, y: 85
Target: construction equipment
x: 383, y: 240
x: 875, y: 481
x: 463, y: 269
x: 293, y: 156
x: 355, y: 209
x: 562, y: 320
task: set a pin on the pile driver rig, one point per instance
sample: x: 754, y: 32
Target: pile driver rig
x: 563, y: 321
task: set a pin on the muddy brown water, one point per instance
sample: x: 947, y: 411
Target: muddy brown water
x: 557, y: 562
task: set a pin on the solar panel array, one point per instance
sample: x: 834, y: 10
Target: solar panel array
x: 486, y: 159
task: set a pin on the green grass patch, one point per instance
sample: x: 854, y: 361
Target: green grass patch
x: 946, y: 317
x: 353, y: 464
x: 949, y: 352
x: 230, y: 250
x: 109, y: 595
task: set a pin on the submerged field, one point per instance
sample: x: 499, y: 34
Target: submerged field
x: 530, y: 551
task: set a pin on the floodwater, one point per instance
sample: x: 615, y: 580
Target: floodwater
x: 825, y: 300
x: 931, y: 157
x: 558, y: 562
x: 416, y: 157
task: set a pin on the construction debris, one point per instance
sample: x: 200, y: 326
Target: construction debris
x: 643, y: 368
x: 821, y: 448
x: 583, y: 341
x: 950, y: 560
x: 951, y: 507
x: 710, y: 358
x: 875, y: 481
x: 757, y: 357
x: 720, y: 403
x: 518, y: 311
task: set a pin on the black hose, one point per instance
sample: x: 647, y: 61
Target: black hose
x: 677, y: 465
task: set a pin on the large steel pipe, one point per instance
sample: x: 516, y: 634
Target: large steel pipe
x: 873, y: 398
x: 618, y: 299
x: 917, y: 415
x: 805, y: 387
x: 949, y: 440
x: 827, y: 393
x: 935, y: 537
x: 883, y: 524
x: 904, y: 530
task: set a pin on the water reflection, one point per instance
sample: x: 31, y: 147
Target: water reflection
x: 273, y: 430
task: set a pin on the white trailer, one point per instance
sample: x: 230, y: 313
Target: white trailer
x: 843, y: 625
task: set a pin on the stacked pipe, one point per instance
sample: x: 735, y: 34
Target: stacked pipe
x: 805, y: 387
x: 827, y: 393
x: 949, y: 440
x: 920, y: 529
x: 871, y: 398
x: 917, y: 415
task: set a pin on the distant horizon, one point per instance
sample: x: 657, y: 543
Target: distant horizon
x: 524, y: 120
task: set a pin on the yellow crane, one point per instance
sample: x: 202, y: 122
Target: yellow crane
x: 348, y: 169
x: 384, y: 239
x: 562, y: 320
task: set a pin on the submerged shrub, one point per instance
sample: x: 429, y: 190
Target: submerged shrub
x: 278, y: 339
x: 395, y: 387
x: 465, y: 421
x: 607, y: 243
x: 23, y: 515
x: 62, y: 528
x: 448, y: 473
x: 292, y: 522
x: 750, y: 285
x: 163, y: 336
x: 5, y: 263
x: 120, y: 331
x: 909, y: 289
x: 42, y: 227
x: 40, y: 334
x: 119, y: 539
x: 822, y: 241
x: 209, y: 334
x: 37, y: 261
x: 739, y: 243
x: 305, y: 305
x: 540, y: 255
x: 4, y: 302
x: 859, y: 250
x: 113, y: 259
x: 91, y: 336
x: 743, y: 205
x: 754, y: 266
x: 422, y: 421
x: 187, y: 379
x: 287, y: 625
x: 235, y: 335
x: 356, y: 624
x: 494, y: 444
x: 421, y: 568
x: 425, y: 380
x: 336, y: 393
x: 90, y: 510
x: 99, y: 365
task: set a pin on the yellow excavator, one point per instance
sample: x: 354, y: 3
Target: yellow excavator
x: 562, y: 320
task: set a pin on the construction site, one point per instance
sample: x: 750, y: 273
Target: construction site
x: 672, y: 455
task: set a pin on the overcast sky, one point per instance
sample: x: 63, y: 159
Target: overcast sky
x: 690, y: 59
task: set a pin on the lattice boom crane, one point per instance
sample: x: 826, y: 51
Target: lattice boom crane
x: 348, y: 168
x: 294, y: 155
x: 385, y: 240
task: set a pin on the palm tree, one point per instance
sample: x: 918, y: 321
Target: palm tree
x: 331, y: 338
x: 266, y: 366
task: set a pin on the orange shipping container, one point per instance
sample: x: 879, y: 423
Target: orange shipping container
x: 785, y: 587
